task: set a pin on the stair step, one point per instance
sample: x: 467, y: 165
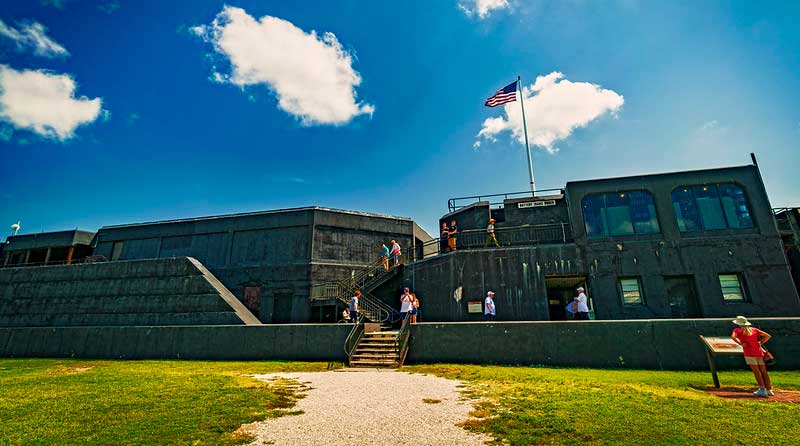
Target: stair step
x: 373, y: 357
x: 382, y: 364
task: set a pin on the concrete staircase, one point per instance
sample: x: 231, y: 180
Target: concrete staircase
x: 379, y: 349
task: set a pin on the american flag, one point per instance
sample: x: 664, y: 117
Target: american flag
x: 503, y: 96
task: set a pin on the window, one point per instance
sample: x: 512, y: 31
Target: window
x: 631, y: 291
x: 732, y: 288
x: 711, y: 206
x: 116, y: 250
x: 619, y: 213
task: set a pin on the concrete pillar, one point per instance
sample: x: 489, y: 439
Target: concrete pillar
x: 47, y: 257
x: 27, y: 256
x: 8, y: 256
x: 70, y: 253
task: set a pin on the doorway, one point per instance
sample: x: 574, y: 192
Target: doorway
x: 282, y: 307
x: 561, y: 290
x: 681, y: 296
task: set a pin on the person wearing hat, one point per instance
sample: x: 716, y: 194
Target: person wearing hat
x: 489, y: 310
x: 581, y: 305
x: 490, y: 236
x: 406, y: 302
x: 751, y: 339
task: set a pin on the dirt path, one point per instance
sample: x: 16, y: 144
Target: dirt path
x: 370, y: 407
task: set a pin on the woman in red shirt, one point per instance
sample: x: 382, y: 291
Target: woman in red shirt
x: 751, y: 339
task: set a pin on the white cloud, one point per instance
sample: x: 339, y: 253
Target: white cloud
x: 311, y: 75
x: 554, y: 108
x: 44, y: 103
x: 481, y: 8
x: 33, y: 36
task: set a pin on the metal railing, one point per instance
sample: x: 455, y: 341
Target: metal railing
x: 77, y: 261
x: 454, y: 205
x: 356, y: 333
x: 506, y: 236
x: 402, y: 340
x: 369, y: 306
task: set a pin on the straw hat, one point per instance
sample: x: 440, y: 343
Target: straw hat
x: 741, y: 320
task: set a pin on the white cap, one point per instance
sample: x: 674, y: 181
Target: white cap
x: 580, y: 288
x: 490, y: 293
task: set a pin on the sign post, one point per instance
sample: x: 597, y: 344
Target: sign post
x: 719, y: 346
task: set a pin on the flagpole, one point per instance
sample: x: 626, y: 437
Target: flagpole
x: 525, y: 128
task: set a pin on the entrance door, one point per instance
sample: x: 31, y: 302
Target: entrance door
x: 561, y: 290
x: 681, y: 296
x: 282, y: 307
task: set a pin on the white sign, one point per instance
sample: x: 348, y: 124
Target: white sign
x: 536, y: 204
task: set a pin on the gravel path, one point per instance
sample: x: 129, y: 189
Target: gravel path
x: 370, y: 407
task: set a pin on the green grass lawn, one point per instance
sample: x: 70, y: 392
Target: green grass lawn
x: 80, y: 402
x: 75, y: 402
x: 526, y: 405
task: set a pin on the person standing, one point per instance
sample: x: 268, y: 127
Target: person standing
x: 582, y: 308
x: 452, y: 232
x: 443, y: 239
x: 414, y: 308
x: 396, y: 252
x: 751, y: 339
x: 406, y: 303
x: 385, y: 254
x: 354, y: 306
x: 490, y: 236
x: 489, y: 309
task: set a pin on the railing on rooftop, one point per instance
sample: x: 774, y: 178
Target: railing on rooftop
x: 526, y: 235
x: 457, y: 203
x: 788, y: 221
x: 78, y: 261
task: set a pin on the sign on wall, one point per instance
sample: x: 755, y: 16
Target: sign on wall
x: 536, y: 204
x: 475, y: 307
x: 252, y: 299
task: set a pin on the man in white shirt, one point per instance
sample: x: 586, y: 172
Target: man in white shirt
x: 406, y: 301
x: 489, y: 310
x: 583, y: 307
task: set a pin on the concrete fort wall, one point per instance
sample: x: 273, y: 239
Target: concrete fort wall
x: 306, y: 342
x: 644, y: 344
x: 176, y: 291
x: 671, y: 344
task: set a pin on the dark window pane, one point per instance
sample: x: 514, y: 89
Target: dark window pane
x: 643, y: 213
x: 708, y: 204
x: 618, y: 214
x: 594, y: 215
x: 735, y: 206
x: 686, y: 210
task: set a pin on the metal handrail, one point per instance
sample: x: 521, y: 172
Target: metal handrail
x: 506, y: 236
x: 369, y: 305
x: 356, y: 333
x: 76, y: 261
x: 402, y: 339
x: 452, y: 203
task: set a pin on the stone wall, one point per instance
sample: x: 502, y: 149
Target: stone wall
x: 647, y: 344
x: 644, y: 344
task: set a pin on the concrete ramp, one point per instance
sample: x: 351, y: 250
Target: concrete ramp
x: 155, y: 292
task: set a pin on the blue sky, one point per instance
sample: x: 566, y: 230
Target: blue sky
x: 660, y: 86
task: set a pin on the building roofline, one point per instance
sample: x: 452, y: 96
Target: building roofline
x: 255, y: 213
x: 676, y: 172
x: 48, y: 233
